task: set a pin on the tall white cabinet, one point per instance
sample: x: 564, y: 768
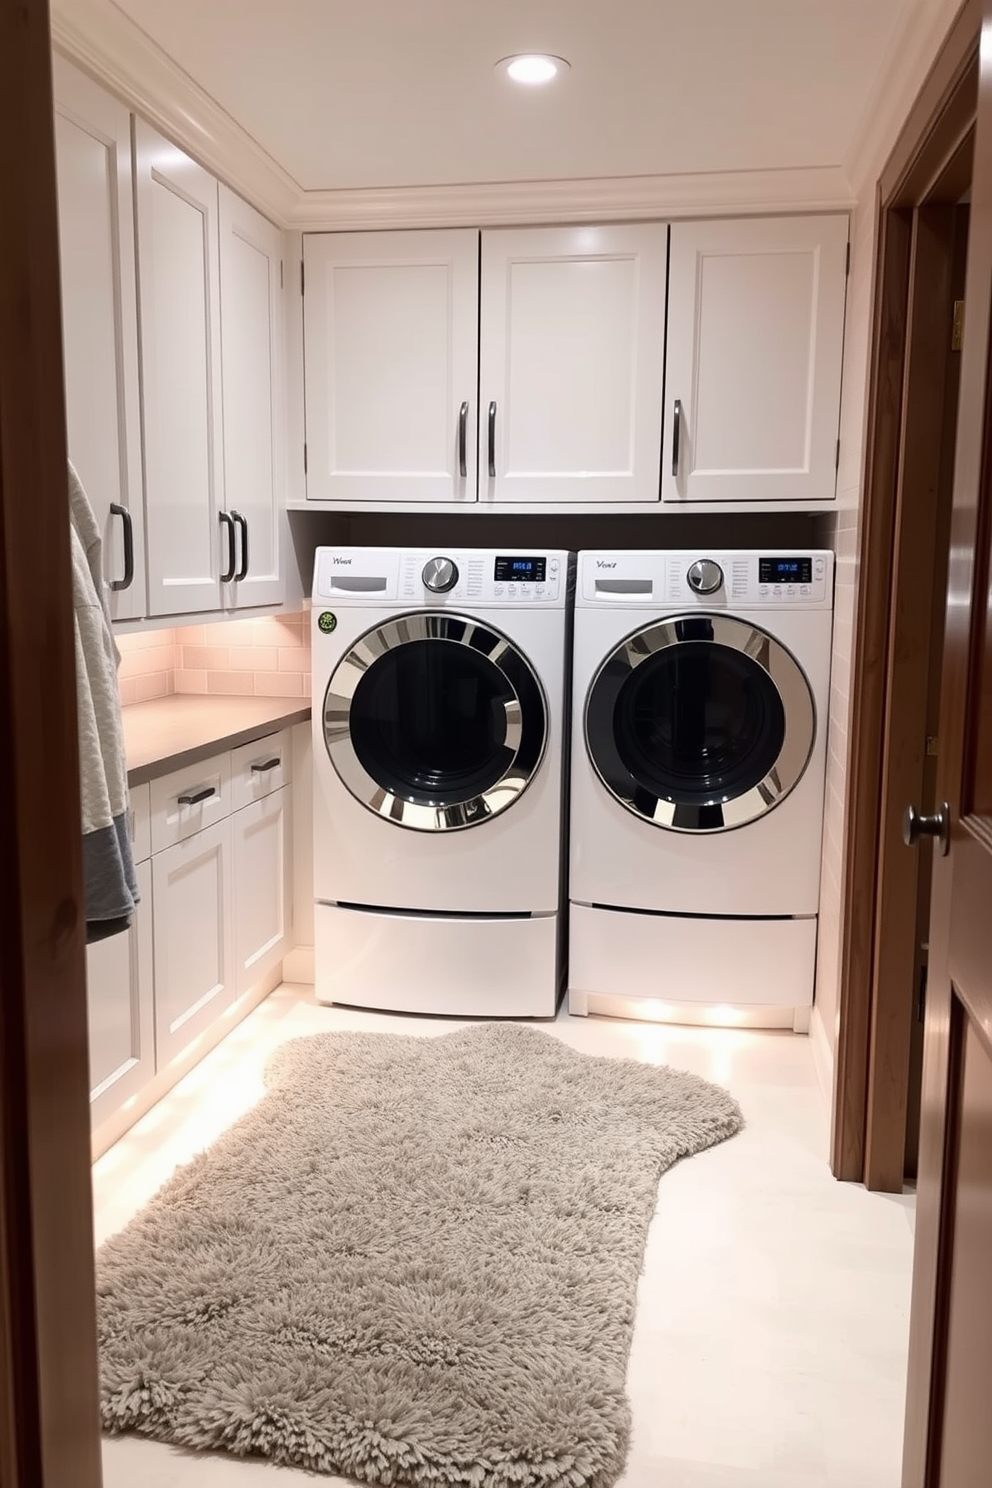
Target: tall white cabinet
x: 755, y: 342
x: 571, y: 363
x: 179, y: 284
x: 209, y: 281
x: 391, y: 365
x: 99, y: 322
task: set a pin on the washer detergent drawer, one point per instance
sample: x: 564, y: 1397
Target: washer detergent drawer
x: 462, y: 965
x: 677, y: 959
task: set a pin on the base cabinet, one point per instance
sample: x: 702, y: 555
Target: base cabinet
x: 261, y: 844
x: 194, y: 959
x: 213, y: 923
x: 121, y: 1009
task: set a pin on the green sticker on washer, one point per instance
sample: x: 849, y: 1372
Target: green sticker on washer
x: 327, y: 621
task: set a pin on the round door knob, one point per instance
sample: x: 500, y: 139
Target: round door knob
x: 705, y: 577
x: 915, y: 826
x: 440, y: 575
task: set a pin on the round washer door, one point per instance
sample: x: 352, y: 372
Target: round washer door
x: 700, y: 723
x: 435, y: 721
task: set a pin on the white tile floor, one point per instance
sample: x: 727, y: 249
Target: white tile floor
x: 770, y: 1343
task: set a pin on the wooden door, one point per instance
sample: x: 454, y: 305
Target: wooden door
x: 100, y: 323
x: 194, y: 963
x: 391, y: 328
x: 262, y: 853
x: 251, y: 299
x: 948, y: 1423
x: 755, y: 342
x: 179, y: 304
x: 571, y: 363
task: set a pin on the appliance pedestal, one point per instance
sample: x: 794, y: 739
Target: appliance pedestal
x: 739, y: 972
x: 467, y: 966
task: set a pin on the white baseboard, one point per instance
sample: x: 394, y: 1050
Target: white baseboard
x: 823, y: 1057
x: 297, y: 966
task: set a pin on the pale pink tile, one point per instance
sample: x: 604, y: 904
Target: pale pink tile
x: 279, y: 684
x: 191, y: 635
x: 205, y: 658
x: 128, y: 691
x: 141, y: 640
x: 238, y: 632
x: 190, y: 681
x: 155, y: 686
x: 293, y: 659
x: 148, y: 660
x: 278, y: 630
x: 254, y: 659
x: 236, y: 684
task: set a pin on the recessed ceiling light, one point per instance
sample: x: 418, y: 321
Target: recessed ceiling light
x: 533, y: 67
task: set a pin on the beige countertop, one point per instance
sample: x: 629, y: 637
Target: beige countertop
x: 168, y: 732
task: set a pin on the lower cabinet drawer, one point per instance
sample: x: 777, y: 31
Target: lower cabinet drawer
x: 260, y: 768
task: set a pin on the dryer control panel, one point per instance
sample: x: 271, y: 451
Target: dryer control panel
x: 435, y: 577
x: 712, y: 580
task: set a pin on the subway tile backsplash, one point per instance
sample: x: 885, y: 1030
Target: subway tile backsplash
x: 267, y: 657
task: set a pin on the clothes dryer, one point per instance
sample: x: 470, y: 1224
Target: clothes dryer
x: 701, y: 690
x: 439, y: 722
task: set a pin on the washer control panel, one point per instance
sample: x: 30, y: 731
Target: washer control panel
x: 449, y: 577
x: 709, y: 580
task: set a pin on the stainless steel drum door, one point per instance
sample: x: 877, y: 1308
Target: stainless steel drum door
x: 435, y: 721
x: 700, y: 723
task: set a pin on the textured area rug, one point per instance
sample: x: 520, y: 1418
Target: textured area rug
x: 415, y: 1262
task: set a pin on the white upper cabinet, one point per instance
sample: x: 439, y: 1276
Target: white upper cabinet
x: 391, y: 335
x: 99, y: 325
x: 179, y: 298
x: 755, y: 340
x: 251, y: 342
x: 572, y: 350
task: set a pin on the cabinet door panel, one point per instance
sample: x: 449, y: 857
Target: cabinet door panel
x: 572, y: 355
x: 180, y: 363
x: 755, y: 341
x: 251, y: 332
x: 99, y: 317
x: 194, y: 964
x: 120, y: 1007
x: 262, y: 883
x: 391, y: 331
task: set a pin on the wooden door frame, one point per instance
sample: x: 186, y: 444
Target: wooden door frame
x: 864, y: 1108
x: 49, y: 1420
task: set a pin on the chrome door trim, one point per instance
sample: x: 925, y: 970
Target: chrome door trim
x: 524, y: 762
x: 721, y: 814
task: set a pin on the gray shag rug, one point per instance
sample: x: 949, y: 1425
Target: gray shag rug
x: 414, y: 1262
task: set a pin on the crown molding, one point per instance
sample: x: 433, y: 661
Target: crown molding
x: 912, y: 52
x: 615, y: 198
x: 100, y: 38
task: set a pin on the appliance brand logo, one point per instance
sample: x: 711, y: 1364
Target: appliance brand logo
x: 340, y: 562
x: 602, y: 563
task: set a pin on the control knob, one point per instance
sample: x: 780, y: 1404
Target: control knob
x: 440, y: 575
x: 705, y: 577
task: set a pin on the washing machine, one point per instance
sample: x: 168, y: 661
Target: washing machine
x: 701, y: 688
x: 439, y: 719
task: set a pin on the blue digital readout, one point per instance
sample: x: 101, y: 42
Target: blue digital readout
x: 785, y: 570
x: 521, y: 570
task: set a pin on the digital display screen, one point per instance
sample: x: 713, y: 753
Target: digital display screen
x: 785, y: 570
x: 520, y: 570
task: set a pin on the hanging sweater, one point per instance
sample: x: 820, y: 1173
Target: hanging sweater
x: 108, y: 867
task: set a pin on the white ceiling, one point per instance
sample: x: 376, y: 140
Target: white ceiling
x: 392, y: 93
